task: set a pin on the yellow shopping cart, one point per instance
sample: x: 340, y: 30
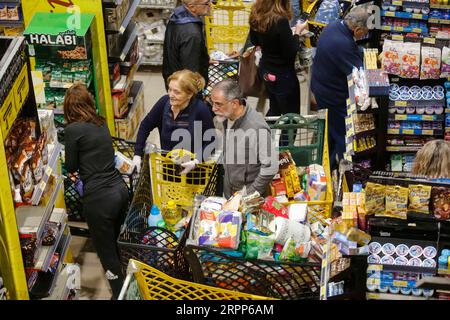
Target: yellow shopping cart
x: 147, y: 283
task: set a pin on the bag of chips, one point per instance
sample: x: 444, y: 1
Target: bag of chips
x: 419, y: 198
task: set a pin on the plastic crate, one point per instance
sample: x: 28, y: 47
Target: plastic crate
x: 227, y: 26
x: 290, y: 281
x: 221, y: 71
x: 163, y: 250
x: 147, y: 283
x: 313, y: 26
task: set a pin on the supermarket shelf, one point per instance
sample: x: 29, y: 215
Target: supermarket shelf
x: 416, y: 117
x: 403, y: 148
x: 131, y: 38
x: 405, y: 15
x: 437, y: 283
x: 415, y: 132
x: 439, y: 6
x: 62, y: 287
x: 32, y: 219
x: 155, y: 6
x: 11, y: 23
x: 365, y: 133
x: 444, y: 272
x: 416, y: 103
x: 390, y: 296
x: 47, y: 252
x: 367, y: 152
x: 396, y: 268
x: 341, y: 297
x: 404, y: 29
x: 439, y: 21
x: 341, y: 275
x: 127, y: 18
x: 413, y: 4
x: 39, y: 190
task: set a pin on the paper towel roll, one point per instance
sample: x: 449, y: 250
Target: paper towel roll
x: 285, y: 228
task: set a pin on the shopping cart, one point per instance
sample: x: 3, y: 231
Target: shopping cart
x: 159, y: 183
x: 221, y: 70
x: 144, y: 282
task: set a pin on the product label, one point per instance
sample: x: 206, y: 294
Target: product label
x: 417, y: 16
x: 408, y: 131
x: 398, y: 283
x: 400, y: 103
x: 427, y: 132
x: 389, y: 14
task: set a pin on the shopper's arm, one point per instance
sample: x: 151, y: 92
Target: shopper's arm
x: 349, y: 58
x: 290, y: 44
x: 268, y: 157
x: 150, y: 122
x: 71, y: 149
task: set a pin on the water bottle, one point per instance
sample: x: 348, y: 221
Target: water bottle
x: 171, y: 215
x: 155, y: 218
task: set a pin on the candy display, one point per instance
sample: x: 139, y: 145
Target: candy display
x: 431, y: 63
x: 440, y: 202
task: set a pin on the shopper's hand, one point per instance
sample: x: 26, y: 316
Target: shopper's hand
x: 137, y: 163
x: 243, y: 191
x: 188, y: 166
x: 299, y: 27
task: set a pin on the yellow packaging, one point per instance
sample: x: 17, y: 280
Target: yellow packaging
x: 375, y: 198
x: 419, y: 198
x: 295, y: 180
x: 396, y: 202
x: 359, y: 236
x: 289, y: 188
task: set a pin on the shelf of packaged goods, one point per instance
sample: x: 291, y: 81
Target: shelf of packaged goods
x: 416, y: 103
x: 403, y: 148
x: 131, y: 39
x: 416, y: 117
x: 46, y: 252
x: 344, y: 274
x: 365, y: 133
x: 11, y: 23
x: 50, y: 168
x: 439, y: 6
x: 64, y: 283
x: 391, y: 296
x: 396, y: 283
x: 404, y: 29
x: 439, y: 21
x: 14, y: 101
x: 155, y: 6
x: 417, y: 132
x: 46, y: 282
x: 397, y: 268
x: 404, y: 15
x: 31, y: 219
x: 436, y: 283
x: 59, y: 85
x: 127, y: 19
x: 400, y: 3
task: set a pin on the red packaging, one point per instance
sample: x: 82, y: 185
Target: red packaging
x: 274, y: 207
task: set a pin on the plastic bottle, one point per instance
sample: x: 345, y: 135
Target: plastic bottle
x: 171, y: 215
x: 155, y: 218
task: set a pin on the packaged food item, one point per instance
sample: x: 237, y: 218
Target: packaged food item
x: 208, y: 228
x: 213, y: 203
x: 37, y: 166
x: 3, y: 12
x: 429, y: 252
x: 229, y: 229
x: 388, y: 260
x: 391, y: 59
x: 415, y: 251
x: 359, y: 236
x: 419, y: 198
x: 259, y: 247
x: 440, y: 202
x: 429, y: 263
x: 431, y: 63
x: 445, y: 66
x: 297, y: 212
x: 375, y: 198
x: 410, y: 60
x: 396, y: 202
x: 402, y: 250
x: 295, y: 252
x: 401, y: 261
x: 374, y: 247
x: 316, y: 183
x: 278, y: 187
x: 260, y: 223
x: 388, y: 249
x: 123, y: 164
x: 274, y: 207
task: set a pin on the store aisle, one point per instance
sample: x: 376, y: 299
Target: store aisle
x: 94, y: 285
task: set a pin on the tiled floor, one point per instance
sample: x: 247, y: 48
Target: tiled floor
x: 94, y: 285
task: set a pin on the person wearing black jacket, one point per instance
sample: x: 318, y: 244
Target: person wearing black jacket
x: 89, y: 150
x: 269, y: 29
x: 184, y: 40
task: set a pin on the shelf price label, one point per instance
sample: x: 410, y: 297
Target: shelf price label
x: 400, y: 283
x: 373, y: 282
x: 397, y: 37
x: 429, y: 40
x: 427, y: 132
x: 401, y: 117
x: 417, y: 16
x: 373, y: 295
x: 428, y: 118
x: 397, y: 3
x: 408, y: 131
x: 417, y: 30
x: 389, y: 14
x: 400, y: 103
x: 393, y: 131
x: 398, y: 28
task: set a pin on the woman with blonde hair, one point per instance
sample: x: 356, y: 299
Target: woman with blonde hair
x: 270, y: 29
x: 89, y: 150
x: 176, y: 115
x: 433, y: 160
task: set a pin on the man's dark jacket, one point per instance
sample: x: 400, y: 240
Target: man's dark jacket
x: 184, y: 44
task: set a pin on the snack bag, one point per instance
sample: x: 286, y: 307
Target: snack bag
x: 440, y: 202
x: 396, y: 202
x: 419, y: 198
x: 274, y: 207
x: 431, y: 63
x: 316, y: 183
x: 295, y: 252
x: 259, y: 247
x: 208, y: 228
x: 278, y: 187
x: 410, y: 58
x: 391, y: 57
x: 375, y: 196
x: 229, y: 229
x: 123, y: 164
x: 445, y: 66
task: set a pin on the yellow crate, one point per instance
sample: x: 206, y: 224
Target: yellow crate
x: 321, y: 210
x: 313, y: 26
x: 156, y: 285
x: 168, y: 185
x: 228, y: 26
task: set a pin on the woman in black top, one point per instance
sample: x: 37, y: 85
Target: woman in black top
x: 269, y: 29
x: 88, y: 148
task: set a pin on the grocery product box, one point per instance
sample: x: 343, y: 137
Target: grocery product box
x: 51, y: 35
x: 127, y: 128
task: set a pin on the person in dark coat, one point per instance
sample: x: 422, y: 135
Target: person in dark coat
x: 337, y: 54
x: 184, y: 40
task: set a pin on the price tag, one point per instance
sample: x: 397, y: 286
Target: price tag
x: 427, y: 132
x: 373, y: 281
x: 400, y: 103
x: 417, y: 16
x: 373, y: 296
x: 399, y: 283
x: 398, y: 28
x: 389, y: 14
x: 429, y: 40
x: 397, y: 3
x: 397, y: 37
x: 433, y: 20
x: 401, y: 117
x: 417, y: 30
x: 386, y: 28
x: 428, y: 118
x: 393, y: 131
x: 350, y: 82
x: 375, y: 267
x: 408, y: 131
